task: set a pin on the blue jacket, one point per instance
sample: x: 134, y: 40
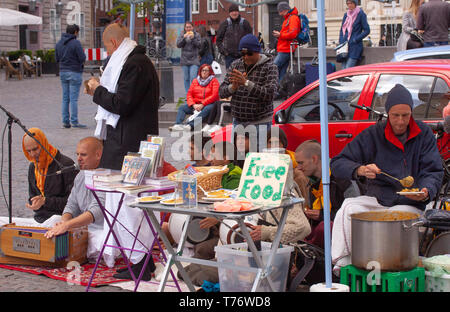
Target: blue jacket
x: 419, y: 158
x: 70, y: 54
x: 360, y: 30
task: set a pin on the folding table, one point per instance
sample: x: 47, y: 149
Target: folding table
x: 205, y: 210
x: 118, y: 245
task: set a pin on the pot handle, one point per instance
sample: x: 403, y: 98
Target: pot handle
x: 407, y: 227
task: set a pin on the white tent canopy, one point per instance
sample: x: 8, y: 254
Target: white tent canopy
x: 12, y: 18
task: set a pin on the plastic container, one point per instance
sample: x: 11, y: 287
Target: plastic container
x: 241, y: 281
x: 437, y: 284
x: 366, y: 281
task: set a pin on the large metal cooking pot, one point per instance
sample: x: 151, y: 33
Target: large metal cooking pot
x: 390, y: 238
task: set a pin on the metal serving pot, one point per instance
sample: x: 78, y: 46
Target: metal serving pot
x: 390, y: 238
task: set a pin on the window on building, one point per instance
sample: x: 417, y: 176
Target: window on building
x: 140, y: 10
x: 55, y: 25
x: 195, y: 6
x: 213, y: 6
x: 241, y: 8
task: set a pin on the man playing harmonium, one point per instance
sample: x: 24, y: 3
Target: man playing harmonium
x: 82, y: 208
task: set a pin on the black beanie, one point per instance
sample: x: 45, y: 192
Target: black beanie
x: 398, y: 95
x: 233, y: 7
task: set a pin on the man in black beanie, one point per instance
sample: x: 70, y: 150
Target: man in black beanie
x: 230, y: 33
x: 399, y: 146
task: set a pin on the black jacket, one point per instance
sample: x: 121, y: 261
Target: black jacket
x: 228, y: 37
x: 57, y: 188
x: 69, y: 54
x: 136, y: 101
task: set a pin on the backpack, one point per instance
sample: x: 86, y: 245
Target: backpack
x: 303, y: 36
x: 241, y: 23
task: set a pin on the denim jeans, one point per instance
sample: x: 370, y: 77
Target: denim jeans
x: 206, y: 59
x: 349, y: 62
x: 434, y: 43
x: 282, y: 61
x: 190, y: 72
x: 71, y: 84
x: 184, y: 110
x: 259, y: 127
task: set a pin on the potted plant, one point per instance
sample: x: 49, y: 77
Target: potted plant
x: 49, y: 64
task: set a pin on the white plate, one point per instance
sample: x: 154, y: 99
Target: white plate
x: 410, y: 193
x: 165, y: 202
x: 214, y: 199
x: 149, y: 201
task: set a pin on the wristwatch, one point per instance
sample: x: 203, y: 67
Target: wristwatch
x: 246, y: 83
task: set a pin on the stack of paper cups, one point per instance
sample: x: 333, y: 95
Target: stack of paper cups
x: 335, y: 287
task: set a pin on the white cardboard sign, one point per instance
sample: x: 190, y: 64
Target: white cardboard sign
x: 264, y: 178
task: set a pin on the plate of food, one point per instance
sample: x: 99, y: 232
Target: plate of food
x: 223, y: 194
x: 172, y: 201
x: 410, y: 191
x: 233, y: 206
x: 149, y: 199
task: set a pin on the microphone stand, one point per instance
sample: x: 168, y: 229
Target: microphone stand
x: 11, y: 119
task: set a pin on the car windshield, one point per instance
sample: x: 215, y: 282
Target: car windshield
x: 341, y: 93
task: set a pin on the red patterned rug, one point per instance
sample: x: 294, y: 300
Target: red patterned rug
x: 78, y: 275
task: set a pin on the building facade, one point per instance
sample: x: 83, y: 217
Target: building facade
x: 384, y: 18
x: 56, y: 15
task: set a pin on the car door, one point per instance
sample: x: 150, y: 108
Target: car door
x: 303, y: 116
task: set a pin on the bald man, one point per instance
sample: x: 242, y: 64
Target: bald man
x: 127, y: 95
x: 48, y: 190
x: 81, y: 208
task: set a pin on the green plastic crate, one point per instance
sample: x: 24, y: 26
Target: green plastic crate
x: 407, y: 281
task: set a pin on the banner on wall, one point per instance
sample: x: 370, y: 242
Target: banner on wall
x: 175, y: 18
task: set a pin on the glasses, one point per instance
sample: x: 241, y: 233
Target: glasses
x: 248, y: 53
x: 205, y: 70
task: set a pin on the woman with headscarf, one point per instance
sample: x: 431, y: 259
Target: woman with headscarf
x: 409, y: 21
x: 48, y: 189
x: 202, y: 94
x: 353, y: 30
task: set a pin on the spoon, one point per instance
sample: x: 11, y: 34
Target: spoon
x: 405, y: 182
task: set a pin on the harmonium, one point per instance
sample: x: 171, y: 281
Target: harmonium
x: 28, y: 246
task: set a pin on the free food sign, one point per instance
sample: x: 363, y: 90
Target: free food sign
x: 264, y: 178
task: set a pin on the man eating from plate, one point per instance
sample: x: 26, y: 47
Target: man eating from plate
x: 399, y: 146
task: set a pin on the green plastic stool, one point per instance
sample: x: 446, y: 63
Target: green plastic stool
x: 407, y: 281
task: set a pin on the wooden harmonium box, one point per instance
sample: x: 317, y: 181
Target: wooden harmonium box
x: 30, y: 243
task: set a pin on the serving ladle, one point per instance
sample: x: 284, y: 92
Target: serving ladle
x: 405, y: 182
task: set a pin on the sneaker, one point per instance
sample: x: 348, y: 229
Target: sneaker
x: 78, y: 125
x: 214, y: 128
x: 206, y: 128
x: 66, y: 126
x: 177, y: 127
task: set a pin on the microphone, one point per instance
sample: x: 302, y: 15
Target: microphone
x: 67, y: 169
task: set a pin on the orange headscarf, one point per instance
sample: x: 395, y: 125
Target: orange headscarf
x: 40, y: 168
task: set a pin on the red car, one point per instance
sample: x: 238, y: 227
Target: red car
x: 367, y: 85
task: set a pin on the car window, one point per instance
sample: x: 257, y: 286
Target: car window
x: 439, y: 99
x: 419, y: 86
x: 341, y: 93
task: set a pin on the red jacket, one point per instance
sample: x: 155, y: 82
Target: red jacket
x: 289, y: 30
x: 203, y: 95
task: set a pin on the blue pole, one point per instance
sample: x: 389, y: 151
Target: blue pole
x: 324, y: 137
x: 132, y: 18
